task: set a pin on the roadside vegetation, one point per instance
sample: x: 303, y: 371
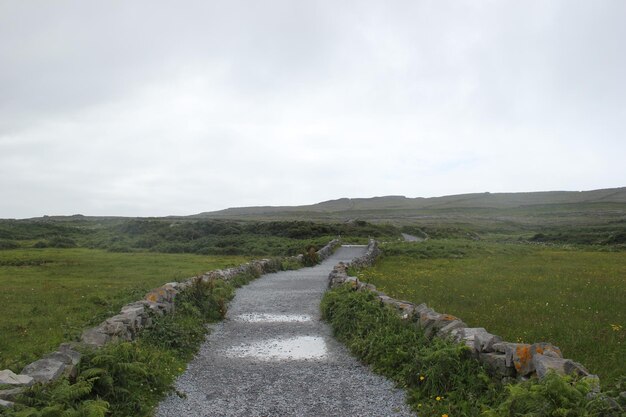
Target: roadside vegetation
x: 440, y: 377
x: 130, y: 378
x: 570, y: 296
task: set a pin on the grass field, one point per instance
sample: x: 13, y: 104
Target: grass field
x: 574, y: 298
x: 49, y: 295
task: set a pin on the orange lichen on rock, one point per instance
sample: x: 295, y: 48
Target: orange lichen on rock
x: 448, y: 317
x: 523, y: 359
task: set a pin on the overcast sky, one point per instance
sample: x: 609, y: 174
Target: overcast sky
x: 146, y: 108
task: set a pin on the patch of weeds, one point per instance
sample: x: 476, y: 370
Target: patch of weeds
x: 557, y: 396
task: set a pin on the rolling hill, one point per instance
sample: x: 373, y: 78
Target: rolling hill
x: 603, y: 205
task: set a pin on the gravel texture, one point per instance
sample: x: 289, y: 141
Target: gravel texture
x: 272, y: 356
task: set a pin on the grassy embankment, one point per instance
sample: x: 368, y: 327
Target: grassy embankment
x: 49, y: 295
x: 441, y: 378
x: 572, y: 297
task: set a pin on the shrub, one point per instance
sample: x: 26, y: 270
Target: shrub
x: 311, y: 257
x: 556, y: 396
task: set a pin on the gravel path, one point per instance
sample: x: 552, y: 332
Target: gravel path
x: 272, y: 356
x: 410, y: 238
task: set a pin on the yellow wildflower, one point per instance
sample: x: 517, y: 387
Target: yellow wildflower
x: 438, y: 398
x: 421, y: 377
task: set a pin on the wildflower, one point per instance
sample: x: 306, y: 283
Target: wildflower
x: 421, y: 377
x: 444, y: 415
x: 438, y: 398
x: 616, y: 327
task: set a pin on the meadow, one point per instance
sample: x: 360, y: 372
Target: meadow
x: 573, y: 297
x: 50, y: 295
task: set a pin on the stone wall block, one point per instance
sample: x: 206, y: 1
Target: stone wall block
x: 432, y: 323
x: 468, y: 336
x: 518, y: 355
x: 453, y: 325
x: 95, y: 337
x: 483, y: 342
x: 8, y: 377
x: 44, y: 370
x: 116, y: 329
x: 544, y: 364
x: 575, y: 368
x: 11, y: 394
x: 496, y: 364
x: 547, y: 349
x: 6, y: 404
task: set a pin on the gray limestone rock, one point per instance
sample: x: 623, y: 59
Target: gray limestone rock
x: 44, y: 370
x: 10, y: 394
x: 8, y: 377
x: 483, y: 342
x: 448, y: 328
x: 543, y: 364
x: 575, y: 368
x: 6, y: 404
x: 95, y: 337
x: 496, y: 364
x: 467, y: 335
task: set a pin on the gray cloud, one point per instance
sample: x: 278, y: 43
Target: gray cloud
x: 144, y: 108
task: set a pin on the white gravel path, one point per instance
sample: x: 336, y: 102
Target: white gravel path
x: 272, y: 356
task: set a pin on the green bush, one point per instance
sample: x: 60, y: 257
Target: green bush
x: 310, y: 258
x: 555, y: 396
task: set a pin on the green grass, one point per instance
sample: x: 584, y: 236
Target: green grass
x: 50, y: 295
x: 573, y: 298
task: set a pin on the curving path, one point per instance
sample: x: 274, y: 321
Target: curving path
x: 272, y: 356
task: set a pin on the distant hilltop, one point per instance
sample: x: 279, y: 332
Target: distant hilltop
x: 394, y: 207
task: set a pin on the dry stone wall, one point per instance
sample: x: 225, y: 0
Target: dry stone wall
x: 126, y: 325
x: 504, y: 359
